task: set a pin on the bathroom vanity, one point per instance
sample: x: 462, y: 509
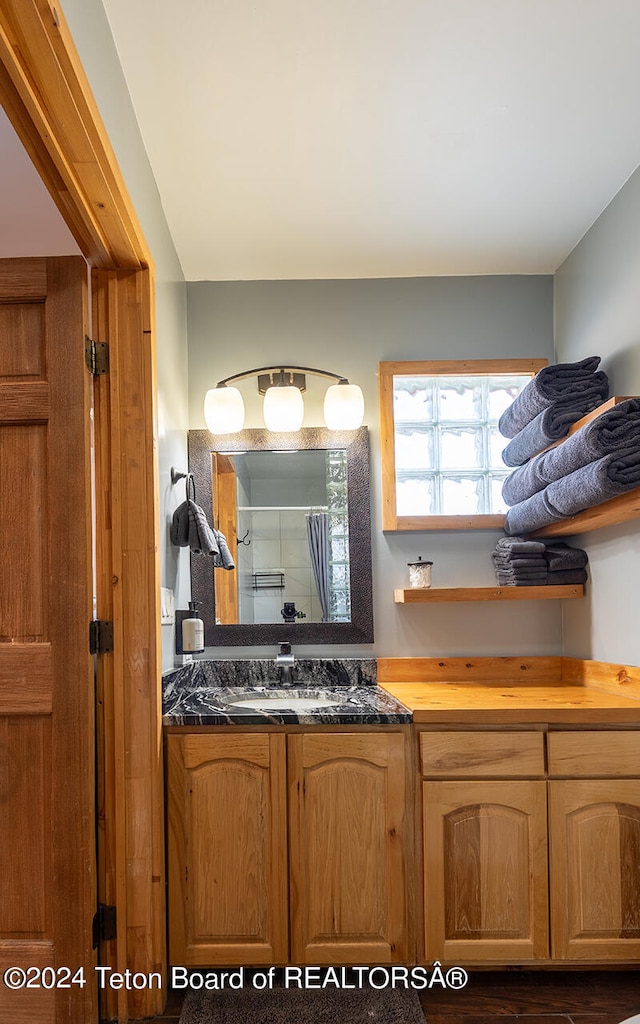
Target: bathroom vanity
x: 494, y: 822
x: 290, y: 826
x: 528, y: 808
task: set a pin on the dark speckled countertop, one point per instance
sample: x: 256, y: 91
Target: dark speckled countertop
x: 204, y: 692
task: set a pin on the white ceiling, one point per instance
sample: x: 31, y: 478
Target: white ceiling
x: 367, y: 138
x: 375, y: 138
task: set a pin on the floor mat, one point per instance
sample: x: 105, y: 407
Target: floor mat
x: 303, y: 1006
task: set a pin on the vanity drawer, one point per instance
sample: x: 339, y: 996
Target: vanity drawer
x: 481, y: 754
x: 588, y: 754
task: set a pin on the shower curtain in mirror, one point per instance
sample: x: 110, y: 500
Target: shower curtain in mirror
x: 318, y: 536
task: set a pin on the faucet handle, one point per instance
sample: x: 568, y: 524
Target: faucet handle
x: 285, y: 659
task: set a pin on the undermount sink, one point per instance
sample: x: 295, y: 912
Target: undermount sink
x: 294, y: 700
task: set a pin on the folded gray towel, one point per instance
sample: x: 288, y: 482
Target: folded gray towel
x: 538, y: 574
x: 562, y: 380
x: 518, y: 545
x: 561, y: 577
x: 553, y: 424
x: 614, y: 429
x: 519, y: 563
x: 606, y: 478
x: 521, y: 583
x: 222, y: 559
x: 559, y: 555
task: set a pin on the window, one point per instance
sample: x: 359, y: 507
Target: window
x: 441, y: 448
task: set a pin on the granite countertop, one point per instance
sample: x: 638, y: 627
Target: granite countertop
x: 205, y: 692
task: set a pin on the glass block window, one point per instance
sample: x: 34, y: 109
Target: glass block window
x: 446, y: 442
x: 339, y: 581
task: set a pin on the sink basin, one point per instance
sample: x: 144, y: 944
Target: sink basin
x: 291, y: 700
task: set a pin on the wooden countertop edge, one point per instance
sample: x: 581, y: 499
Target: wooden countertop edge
x: 528, y: 716
x: 513, y: 671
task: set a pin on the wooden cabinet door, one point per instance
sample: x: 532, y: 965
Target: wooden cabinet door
x: 47, y: 755
x: 595, y: 869
x: 347, y: 848
x: 227, y: 849
x: 485, y: 871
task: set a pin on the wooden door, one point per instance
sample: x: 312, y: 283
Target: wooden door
x: 595, y: 869
x: 47, y: 778
x: 347, y: 846
x: 485, y: 871
x: 227, y: 849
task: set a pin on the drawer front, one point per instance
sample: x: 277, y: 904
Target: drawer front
x: 451, y: 755
x: 588, y: 754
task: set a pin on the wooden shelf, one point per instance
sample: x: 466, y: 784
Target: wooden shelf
x: 607, y: 513
x: 436, y: 595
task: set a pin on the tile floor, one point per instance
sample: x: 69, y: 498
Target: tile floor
x: 528, y: 997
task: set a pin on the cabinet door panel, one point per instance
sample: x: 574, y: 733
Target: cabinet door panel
x: 347, y: 848
x: 227, y: 849
x: 485, y: 865
x: 595, y: 869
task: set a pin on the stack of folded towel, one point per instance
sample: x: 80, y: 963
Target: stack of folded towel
x: 598, y: 462
x: 565, y: 564
x: 550, y: 403
x: 519, y: 562
x: 529, y: 563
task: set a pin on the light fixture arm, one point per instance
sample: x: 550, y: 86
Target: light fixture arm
x: 282, y: 368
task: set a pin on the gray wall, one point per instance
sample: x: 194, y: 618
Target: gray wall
x: 348, y: 327
x: 92, y: 36
x: 597, y: 311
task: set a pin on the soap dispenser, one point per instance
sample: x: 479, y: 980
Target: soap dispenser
x: 193, y: 631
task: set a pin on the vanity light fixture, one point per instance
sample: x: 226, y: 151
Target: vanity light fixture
x: 282, y: 387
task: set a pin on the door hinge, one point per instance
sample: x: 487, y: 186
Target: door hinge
x: 96, y: 356
x: 100, y: 636
x: 104, y: 925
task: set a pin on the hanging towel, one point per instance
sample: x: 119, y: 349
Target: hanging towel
x: 222, y: 558
x: 614, y: 429
x: 606, y: 478
x: 551, y: 384
x: 189, y: 528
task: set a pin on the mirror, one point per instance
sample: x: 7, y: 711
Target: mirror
x: 297, y: 522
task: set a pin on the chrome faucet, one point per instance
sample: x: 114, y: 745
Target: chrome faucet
x: 285, y: 663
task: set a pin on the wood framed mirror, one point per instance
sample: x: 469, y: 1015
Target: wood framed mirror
x: 269, y: 495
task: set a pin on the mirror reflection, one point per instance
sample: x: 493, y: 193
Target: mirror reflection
x: 288, y: 512
x: 295, y: 511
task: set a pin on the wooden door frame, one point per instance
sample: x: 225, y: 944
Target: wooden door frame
x: 46, y: 95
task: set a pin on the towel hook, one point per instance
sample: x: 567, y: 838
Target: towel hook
x: 188, y: 477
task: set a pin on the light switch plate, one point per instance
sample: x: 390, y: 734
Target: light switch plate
x: 167, y: 607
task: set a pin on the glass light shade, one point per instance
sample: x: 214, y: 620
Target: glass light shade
x: 283, y: 409
x: 344, y: 407
x: 224, y: 410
